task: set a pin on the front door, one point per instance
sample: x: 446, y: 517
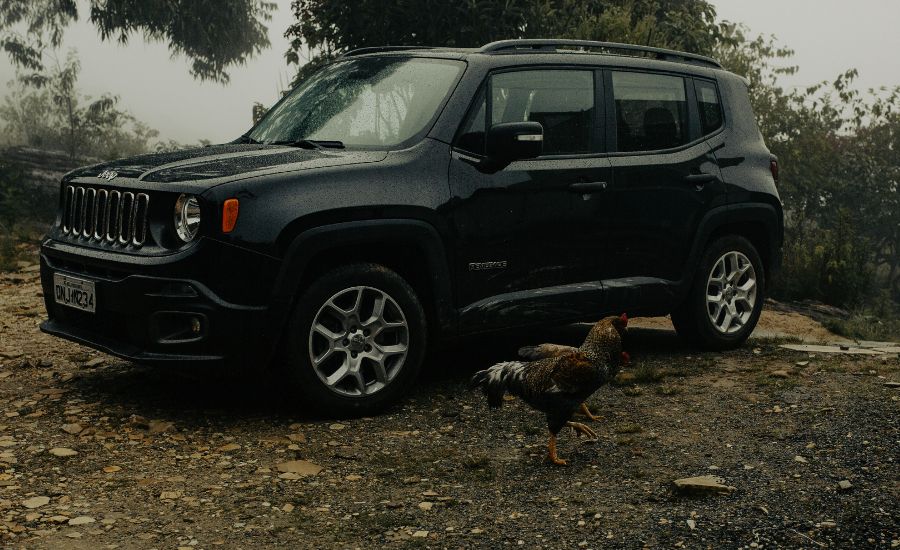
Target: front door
x: 536, y: 223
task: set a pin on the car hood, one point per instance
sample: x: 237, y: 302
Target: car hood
x: 223, y: 163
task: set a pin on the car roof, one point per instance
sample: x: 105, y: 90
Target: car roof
x: 512, y: 53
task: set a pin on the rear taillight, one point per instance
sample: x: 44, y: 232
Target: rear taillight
x: 773, y: 167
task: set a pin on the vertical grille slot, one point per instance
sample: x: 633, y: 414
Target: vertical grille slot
x: 109, y: 217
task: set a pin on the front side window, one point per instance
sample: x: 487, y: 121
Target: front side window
x: 375, y: 102
x: 562, y: 101
x: 709, y: 106
x: 651, y: 111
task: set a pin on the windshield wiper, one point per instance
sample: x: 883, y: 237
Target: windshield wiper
x: 247, y: 139
x: 311, y: 143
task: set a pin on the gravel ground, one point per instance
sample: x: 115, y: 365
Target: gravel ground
x: 97, y: 453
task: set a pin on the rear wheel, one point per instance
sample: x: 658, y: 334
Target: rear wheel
x: 356, y: 340
x: 726, y: 298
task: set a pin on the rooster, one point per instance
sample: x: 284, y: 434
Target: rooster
x: 559, y: 380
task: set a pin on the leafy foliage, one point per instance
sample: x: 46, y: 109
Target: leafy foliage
x: 213, y: 34
x: 326, y: 29
x: 839, y: 152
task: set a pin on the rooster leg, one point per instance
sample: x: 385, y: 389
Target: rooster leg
x: 582, y: 429
x: 587, y: 412
x: 551, y: 452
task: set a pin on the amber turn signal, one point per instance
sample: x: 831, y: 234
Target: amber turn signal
x: 229, y: 215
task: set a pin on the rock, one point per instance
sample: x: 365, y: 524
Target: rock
x: 72, y: 428
x: 288, y: 508
x: 336, y: 427
x: 35, y: 502
x: 81, y: 520
x: 420, y: 534
x: 892, y: 384
x: 844, y: 485
x: 111, y: 469
x: 159, y: 426
x: 827, y: 524
x: 11, y: 354
x: 93, y: 363
x: 297, y: 438
x: 800, y: 459
x: 63, y: 452
x: 170, y: 495
x: 476, y: 531
x: 353, y: 477
x: 301, y: 467
x: 426, y: 506
x: 801, y: 363
x: 692, y: 524
x: 779, y: 374
x: 702, y: 484
x: 228, y: 447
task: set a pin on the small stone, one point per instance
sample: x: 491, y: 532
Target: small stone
x: 702, y: 484
x: 229, y: 447
x: 800, y: 459
x: 11, y: 354
x: 420, y: 534
x: 35, y: 502
x: 892, y: 384
x: 776, y: 409
x: 72, y: 428
x: 336, y: 427
x: 287, y: 508
x: 63, y: 452
x: 779, y: 374
x: 476, y: 531
x: 93, y: 363
x: 844, y: 485
x: 81, y: 520
x: 426, y: 506
x: 297, y: 438
x: 111, y: 469
x: 170, y: 495
x: 301, y: 467
x: 159, y: 426
x: 353, y: 477
x: 827, y: 524
x: 692, y: 524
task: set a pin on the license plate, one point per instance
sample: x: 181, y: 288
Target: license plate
x: 73, y: 292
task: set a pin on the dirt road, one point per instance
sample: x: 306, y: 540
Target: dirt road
x: 96, y: 453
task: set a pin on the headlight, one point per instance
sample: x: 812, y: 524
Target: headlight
x: 187, y: 217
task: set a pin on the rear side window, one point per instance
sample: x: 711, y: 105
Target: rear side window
x: 651, y: 111
x: 709, y: 106
x: 562, y: 101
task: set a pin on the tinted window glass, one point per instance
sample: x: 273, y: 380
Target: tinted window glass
x: 710, y: 109
x: 651, y: 111
x: 471, y: 135
x: 562, y: 101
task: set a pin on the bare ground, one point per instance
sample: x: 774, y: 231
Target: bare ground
x: 167, y: 462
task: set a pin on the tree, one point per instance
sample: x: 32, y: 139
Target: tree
x: 46, y: 110
x: 213, y: 34
x: 326, y: 29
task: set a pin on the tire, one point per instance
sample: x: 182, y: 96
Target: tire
x: 719, y: 273
x: 313, y: 358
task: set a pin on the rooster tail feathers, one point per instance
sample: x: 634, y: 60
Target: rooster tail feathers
x: 496, y: 380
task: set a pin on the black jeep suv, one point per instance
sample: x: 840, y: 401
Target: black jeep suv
x: 400, y: 196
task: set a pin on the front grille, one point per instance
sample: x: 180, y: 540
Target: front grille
x: 107, y: 216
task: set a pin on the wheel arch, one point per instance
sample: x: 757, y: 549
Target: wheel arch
x: 411, y: 247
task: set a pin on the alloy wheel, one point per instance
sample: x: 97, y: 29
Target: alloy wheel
x: 731, y: 292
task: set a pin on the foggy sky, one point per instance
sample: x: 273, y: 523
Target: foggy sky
x: 829, y: 36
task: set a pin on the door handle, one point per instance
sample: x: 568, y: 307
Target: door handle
x: 699, y: 179
x: 588, y: 186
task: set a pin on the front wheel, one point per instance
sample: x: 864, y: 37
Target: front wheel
x: 726, y: 297
x: 356, y: 341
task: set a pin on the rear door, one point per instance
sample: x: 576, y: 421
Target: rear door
x: 533, y: 224
x: 664, y: 175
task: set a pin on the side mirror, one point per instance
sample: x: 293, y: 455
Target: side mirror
x: 511, y: 141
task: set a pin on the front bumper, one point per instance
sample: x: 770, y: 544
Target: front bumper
x: 165, y: 313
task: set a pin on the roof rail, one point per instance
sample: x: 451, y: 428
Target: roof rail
x: 375, y: 49
x: 556, y: 45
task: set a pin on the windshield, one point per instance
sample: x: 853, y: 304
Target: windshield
x: 375, y: 102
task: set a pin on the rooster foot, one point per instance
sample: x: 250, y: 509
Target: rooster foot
x: 551, y: 453
x: 587, y: 412
x: 582, y: 429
